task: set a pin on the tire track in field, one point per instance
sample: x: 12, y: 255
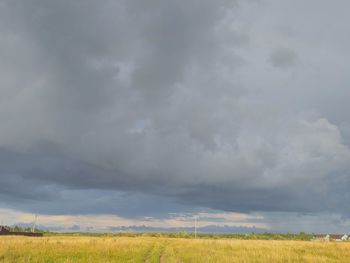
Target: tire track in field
x: 161, y: 254
x: 149, y: 253
x: 156, y: 253
x: 162, y: 257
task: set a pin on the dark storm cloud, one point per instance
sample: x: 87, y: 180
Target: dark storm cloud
x: 172, y: 99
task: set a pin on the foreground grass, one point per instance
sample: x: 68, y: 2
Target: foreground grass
x: 149, y: 249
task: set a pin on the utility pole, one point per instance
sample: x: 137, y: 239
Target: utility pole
x: 195, y: 227
x: 34, y: 224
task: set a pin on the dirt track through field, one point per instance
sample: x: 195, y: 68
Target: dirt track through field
x: 156, y: 253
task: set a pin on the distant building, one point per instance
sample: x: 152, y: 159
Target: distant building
x: 4, y: 231
x: 331, y: 237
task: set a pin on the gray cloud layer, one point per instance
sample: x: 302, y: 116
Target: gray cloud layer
x: 178, y: 99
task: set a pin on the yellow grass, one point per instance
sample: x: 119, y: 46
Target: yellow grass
x: 149, y: 249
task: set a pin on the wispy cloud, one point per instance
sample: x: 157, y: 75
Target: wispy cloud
x: 105, y: 221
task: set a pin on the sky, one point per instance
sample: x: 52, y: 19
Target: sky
x: 151, y: 112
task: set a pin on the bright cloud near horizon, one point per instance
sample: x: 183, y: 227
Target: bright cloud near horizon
x: 130, y: 110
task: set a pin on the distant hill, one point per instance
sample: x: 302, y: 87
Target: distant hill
x: 206, y: 229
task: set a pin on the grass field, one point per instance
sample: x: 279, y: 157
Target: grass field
x: 151, y: 249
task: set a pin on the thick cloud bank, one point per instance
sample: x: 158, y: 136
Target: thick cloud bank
x: 231, y: 105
